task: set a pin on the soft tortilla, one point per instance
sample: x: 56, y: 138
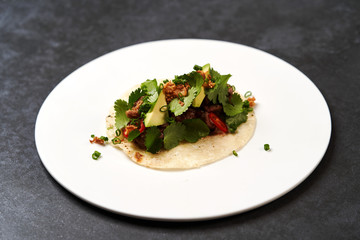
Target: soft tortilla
x: 186, y: 155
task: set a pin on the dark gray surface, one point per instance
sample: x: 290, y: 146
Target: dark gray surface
x: 41, y: 42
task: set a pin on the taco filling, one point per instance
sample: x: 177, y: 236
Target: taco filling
x: 195, y: 112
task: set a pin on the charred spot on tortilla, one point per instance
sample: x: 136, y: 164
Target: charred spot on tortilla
x: 138, y: 156
x: 192, y: 120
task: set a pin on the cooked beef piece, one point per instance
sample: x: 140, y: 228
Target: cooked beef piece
x: 213, y: 108
x: 134, y: 111
x: 206, y: 102
x: 140, y: 140
x: 189, y: 114
x: 173, y: 91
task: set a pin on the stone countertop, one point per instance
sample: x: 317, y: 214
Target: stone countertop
x: 41, y: 42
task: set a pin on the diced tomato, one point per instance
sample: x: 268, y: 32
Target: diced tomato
x: 251, y: 101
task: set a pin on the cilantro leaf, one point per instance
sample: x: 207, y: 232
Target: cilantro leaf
x: 195, y: 129
x: 150, y: 87
x: 146, y: 105
x: 197, y: 67
x: 120, y: 113
x: 214, y: 75
x: 235, y: 107
x: 196, y: 80
x: 173, y: 135
x: 133, y: 134
x: 220, y: 91
x: 153, y: 142
x: 235, y: 121
x: 180, y: 79
x: 246, y: 106
x: 152, y: 99
x: 176, y: 107
x: 134, y: 96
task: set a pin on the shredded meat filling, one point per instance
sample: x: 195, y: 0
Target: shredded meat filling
x: 213, y: 108
x: 171, y: 90
x: 207, y: 79
x: 97, y: 140
x: 134, y: 111
x: 208, y: 84
x: 191, y: 113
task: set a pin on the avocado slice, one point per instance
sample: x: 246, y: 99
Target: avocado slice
x: 206, y: 69
x: 200, y: 97
x: 155, y: 117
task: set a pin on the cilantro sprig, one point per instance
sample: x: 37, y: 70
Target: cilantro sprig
x: 180, y: 104
x: 219, y: 93
x: 134, y: 96
x: 235, y: 107
x: 151, y: 88
x: 177, y: 108
x: 121, y: 119
x: 235, y: 121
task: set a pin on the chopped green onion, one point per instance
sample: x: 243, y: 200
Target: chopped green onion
x: 170, y: 119
x: 248, y: 94
x: 134, y: 121
x: 266, y: 147
x: 104, y: 138
x: 161, y: 86
x: 92, y: 135
x: 163, y: 108
x: 235, y: 153
x: 165, y: 81
x: 96, y: 155
x: 118, y: 132
x: 116, y: 140
x: 181, y: 97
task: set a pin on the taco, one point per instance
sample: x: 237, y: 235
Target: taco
x: 192, y: 120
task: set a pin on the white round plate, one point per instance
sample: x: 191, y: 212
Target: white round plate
x: 292, y: 116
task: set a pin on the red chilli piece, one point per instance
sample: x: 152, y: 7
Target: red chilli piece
x: 217, y: 122
x: 142, y: 126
